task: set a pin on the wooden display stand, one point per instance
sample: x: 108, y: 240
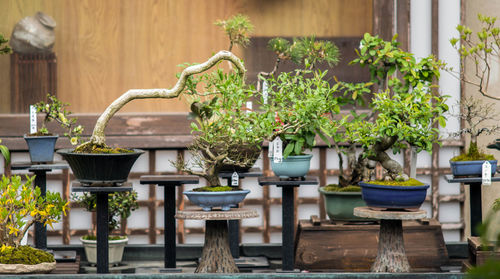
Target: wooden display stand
x: 32, y: 76
x: 479, y: 253
x: 323, y: 245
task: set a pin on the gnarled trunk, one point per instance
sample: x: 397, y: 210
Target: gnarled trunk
x: 394, y: 169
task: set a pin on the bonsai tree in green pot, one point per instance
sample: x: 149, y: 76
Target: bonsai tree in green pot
x: 41, y: 143
x: 121, y: 205
x: 481, y: 48
x: 406, y: 112
x: 21, y: 205
x: 298, y: 101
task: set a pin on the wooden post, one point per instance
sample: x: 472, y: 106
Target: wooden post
x: 216, y: 256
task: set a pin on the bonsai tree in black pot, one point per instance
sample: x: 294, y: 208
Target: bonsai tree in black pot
x: 41, y: 143
x: 406, y: 112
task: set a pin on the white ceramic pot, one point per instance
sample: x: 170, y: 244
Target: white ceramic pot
x: 116, y: 248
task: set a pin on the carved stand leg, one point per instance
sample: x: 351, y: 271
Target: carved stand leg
x: 391, y: 255
x: 216, y: 256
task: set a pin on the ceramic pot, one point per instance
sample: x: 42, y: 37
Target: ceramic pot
x: 100, y: 168
x: 396, y: 197
x: 292, y: 166
x: 116, y: 248
x: 27, y: 268
x: 41, y: 148
x: 340, y: 205
x: 209, y: 200
x: 471, y: 168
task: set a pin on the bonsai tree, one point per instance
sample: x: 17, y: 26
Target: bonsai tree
x: 21, y: 205
x: 404, y: 110
x: 474, y: 113
x: 55, y: 110
x: 120, y: 207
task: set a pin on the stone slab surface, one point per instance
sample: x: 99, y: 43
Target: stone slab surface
x: 367, y: 212
x: 233, y: 214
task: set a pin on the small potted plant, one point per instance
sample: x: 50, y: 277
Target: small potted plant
x: 21, y: 205
x: 41, y: 143
x: 298, y: 101
x: 121, y: 205
x: 481, y: 48
x: 405, y: 113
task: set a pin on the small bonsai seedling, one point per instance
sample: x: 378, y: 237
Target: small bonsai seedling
x: 55, y: 110
x: 21, y: 205
x: 121, y: 205
x: 406, y: 109
x: 475, y: 113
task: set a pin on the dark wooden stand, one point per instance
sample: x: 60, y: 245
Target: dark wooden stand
x: 169, y: 182
x: 391, y: 256
x: 102, y: 192
x: 216, y: 256
x: 475, y: 199
x: 40, y: 170
x: 288, y: 216
x: 234, y: 225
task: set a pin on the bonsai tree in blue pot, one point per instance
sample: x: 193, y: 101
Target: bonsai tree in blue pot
x: 299, y: 102
x: 405, y: 112
x: 41, y: 143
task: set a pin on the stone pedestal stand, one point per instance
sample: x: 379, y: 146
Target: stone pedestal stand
x: 391, y: 256
x: 216, y: 255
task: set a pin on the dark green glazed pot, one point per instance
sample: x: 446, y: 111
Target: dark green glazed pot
x: 340, y: 205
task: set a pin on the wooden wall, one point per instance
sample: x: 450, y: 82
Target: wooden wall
x: 106, y: 47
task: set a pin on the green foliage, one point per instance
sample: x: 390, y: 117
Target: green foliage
x: 337, y: 188
x: 406, y: 109
x: 410, y: 182
x: 98, y: 149
x: 5, y: 152
x: 301, y: 103
x: 4, y: 49
x: 21, y: 204
x: 280, y: 46
x: 121, y: 205
x: 238, y: 28
x: 473, y: 154
x: 55, y: 110
x: 24, y: 255
x: 215, y: 189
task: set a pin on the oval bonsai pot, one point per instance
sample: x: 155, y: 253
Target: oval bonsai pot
x: 340, y: 205
x: 41, y: 148
x: 471, y: 168
x: 394, y: 197
x: 224, y: 199
x: 292, y: 166
x: 100, y: 168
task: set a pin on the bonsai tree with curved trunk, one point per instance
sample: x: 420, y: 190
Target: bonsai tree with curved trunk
x: 405, y: 109
x: 98, y: 137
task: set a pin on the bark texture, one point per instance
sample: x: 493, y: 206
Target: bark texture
x: 391, y: 255
x: 98, y: 137
x: 216, y: 256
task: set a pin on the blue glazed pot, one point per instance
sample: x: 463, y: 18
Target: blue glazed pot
x: 475, y: 168
x: 396, y: 197
x: 292, y: 166
x: 41, y: 148
x: 208, y: 200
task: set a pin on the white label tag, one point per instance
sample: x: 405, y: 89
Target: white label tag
x: 486, y: 173
x: 265, y: 95
x: 32, y: 119
x: 249, y: 106
x: 277, y: 150
x: 235, y: 179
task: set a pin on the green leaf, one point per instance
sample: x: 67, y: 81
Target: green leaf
x: 5, y: 152
x: 288, y: 149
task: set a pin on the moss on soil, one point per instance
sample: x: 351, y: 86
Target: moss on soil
x: 40, y: 134
x: 337, y: 188
x: 473, y: 154
x: 110, y: 237
x: 410, y: 182
x: 100, y: 149
x: 216, y: 189
x: 25, y: 255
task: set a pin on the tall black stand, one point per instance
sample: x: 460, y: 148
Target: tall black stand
x: 169, y: 182
x: 475, y: 200
x: 102, y: 193
x: 40, y: 171
x: 288, y: 216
